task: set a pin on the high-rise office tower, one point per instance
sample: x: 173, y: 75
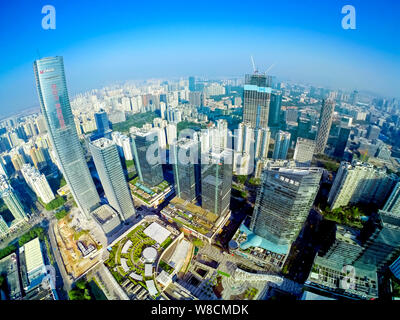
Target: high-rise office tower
x: 304, y: 152
x: 257, y: 97
x: 102, y: 124
x: 282, y: 143
x: 392, y: 205
x: 185, y: 161
x: 147, y: 155
x: 109, y: 167
x: 216, y: 181
x: 360, y: 182
x: 383, y: 246
x: 275, y: 109
x: 54, y: 102
x: 38, y: 183
x: 325, y: 123
x: 192, y: 84
x: 283, y: 202
x: 354, y: 98
x: 341, y: 143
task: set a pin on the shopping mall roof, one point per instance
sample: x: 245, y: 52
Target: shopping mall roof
x: 157, y: 232
x: 33, y: 255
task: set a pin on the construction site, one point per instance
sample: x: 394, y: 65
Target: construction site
x: 79, y: 251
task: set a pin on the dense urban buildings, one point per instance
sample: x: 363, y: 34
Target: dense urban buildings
x: 202, y: 188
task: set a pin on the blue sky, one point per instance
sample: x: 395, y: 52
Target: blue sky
x: 122, y: 40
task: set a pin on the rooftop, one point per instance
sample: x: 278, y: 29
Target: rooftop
x: 33, y: 255
x: 157, y: 232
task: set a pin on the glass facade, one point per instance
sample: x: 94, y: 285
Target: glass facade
x: 148, y: 164
x: 283, y: 202
x: 257, y: 98
x: 184, y: 155
x: 109, y: 167
x: 55, y: 106
x: 216, y: 181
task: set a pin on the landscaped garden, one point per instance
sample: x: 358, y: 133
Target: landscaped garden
x: 126, y: 256
x: 349, y: 215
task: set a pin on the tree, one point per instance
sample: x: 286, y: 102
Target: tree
x: 81, y: 284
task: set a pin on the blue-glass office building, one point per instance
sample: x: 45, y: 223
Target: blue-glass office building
x: 56, y: 109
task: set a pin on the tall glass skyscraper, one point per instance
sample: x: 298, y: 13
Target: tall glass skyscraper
x: 108, y: 164
x: 146, y: 152
x: 216, y: 181
x: 275, y: 109
x: 325, y: 123
x: 283, y: 202
x: 257, y: 97
x: 54, y: 102
x: 184, y: 157
x: 102, y: 124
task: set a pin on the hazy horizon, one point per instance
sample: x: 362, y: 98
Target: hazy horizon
x: 118, y: 42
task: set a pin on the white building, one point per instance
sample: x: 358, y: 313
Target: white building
x: 38, y: 183
x: 124, y: 145
x: 360, y: 182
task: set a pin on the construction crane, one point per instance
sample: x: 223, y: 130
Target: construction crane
x: 272, y: 65
x: 254, y: 65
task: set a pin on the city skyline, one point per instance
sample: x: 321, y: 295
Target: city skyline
x: 131, y: 48
x: 280, y: 182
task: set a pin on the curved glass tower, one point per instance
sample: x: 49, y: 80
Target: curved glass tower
x: 56, y: 109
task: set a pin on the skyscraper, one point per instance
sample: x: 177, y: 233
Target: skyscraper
x: 146, y: 152
x: 304, y: 152
x: 54, y: 102
x: 275, y: 109
x: 303, y: 127
x: 262, y: 143
x: 283, y: 202
x: 192, y: 84
x: 392, y: 205
x: 11, y: 200
x: 282, y: 143
x: 257, y: 97
x: 38, y: 183
x: 360, y: 182
x: 109, y: 167
x: 102, y: 124
x: 383, y: 246
x: 216, y: 181
x: 325, y: 123
x: 185, y: 156
x: 342, y: 142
